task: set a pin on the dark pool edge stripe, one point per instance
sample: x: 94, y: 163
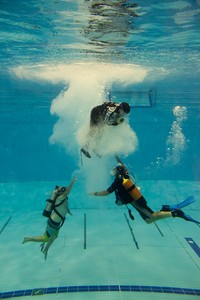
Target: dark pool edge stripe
x: 193, y: 245
x: 100, y: 288
x: 4, y: 226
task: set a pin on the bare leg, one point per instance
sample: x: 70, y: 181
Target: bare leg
x: 49, y: 243
x: 98, y: 136
x: 158, y: 216
x: 92, y: 132
x: 152, y: 217
x: 93, y: 137
x: 34, y: 239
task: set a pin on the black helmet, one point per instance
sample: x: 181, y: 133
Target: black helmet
x: 126, y: 107
x: 120, y: 170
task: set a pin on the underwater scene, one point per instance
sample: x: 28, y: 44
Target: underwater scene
x: 100, y: 149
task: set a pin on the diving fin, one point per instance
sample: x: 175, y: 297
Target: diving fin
x: 191, y: 220
x: 86, y: 153
x: 180, y: 214
x: 184, y: 203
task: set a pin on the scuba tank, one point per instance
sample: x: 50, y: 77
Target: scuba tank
x: 51, y: 201
x: 131, y: 188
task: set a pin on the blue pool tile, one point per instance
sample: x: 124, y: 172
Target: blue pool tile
x: 38, y: 291
x: 100, y: 288
x: 62, y: 289
x: 72, y: 289
x: 188, y: 291
x: 83, y: 288
x: 125, y: 288
x: 114, y: 288
x: 193, y: 245
x: 146, y: 288
x: 51, y: 290
x: 136, y: 288
x: 178, y: 290
x: 7, y: 295
x: 166, y: 289
x: 104, y: 288
x: 156, y: 289
x: 28, y: 292
x: 196, y: 292
x: 19, y: 293
x: 93, y: 288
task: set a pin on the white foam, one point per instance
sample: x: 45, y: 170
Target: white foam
x: 87, y: 86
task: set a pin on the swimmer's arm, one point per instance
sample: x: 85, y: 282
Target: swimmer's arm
x: 102, y: 193
x: 69, y: 188
x: 118, y: 159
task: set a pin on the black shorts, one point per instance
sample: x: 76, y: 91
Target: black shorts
x: 52, y: 227
x: 143, y: 203
x: 97, y: 116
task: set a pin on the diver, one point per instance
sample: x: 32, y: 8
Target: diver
x: 127, y: 192
x: 109, y: 113
x: 56, y: 210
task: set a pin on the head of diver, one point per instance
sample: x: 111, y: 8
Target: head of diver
x: 60, y: 189
x: 123, y: 109
x: 119, y: 171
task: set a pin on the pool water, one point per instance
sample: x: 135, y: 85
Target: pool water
x: 58, y: 60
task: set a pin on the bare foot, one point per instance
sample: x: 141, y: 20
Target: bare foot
x: 45, y: 252
x: 25, y: 240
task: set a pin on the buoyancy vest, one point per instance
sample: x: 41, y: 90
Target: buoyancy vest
x: 131, y: 189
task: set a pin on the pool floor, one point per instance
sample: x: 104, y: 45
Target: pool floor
x: 101, y: 253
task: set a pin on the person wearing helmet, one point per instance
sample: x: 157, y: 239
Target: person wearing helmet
x: 127, y: 192
x: 56, y: 217
x: 108, y: 113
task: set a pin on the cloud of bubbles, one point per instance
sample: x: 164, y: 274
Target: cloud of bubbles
x: 176, y: 142
x: 86, y: 85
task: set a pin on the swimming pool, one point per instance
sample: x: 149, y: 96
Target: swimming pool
x: 58, y: 60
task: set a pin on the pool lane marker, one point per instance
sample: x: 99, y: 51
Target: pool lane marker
x: 158, y: 229
x: 85, y: 234
x: 193, y: 245
x: 4, y: 226
x: 131, y: 230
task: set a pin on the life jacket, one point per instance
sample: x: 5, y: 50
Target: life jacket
x: 131, y: 189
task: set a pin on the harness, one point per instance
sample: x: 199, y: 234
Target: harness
x: 55, y: 210
x: 111, y: 109
x: 54, y: 206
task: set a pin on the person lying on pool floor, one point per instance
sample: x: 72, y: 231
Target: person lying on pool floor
x: 56, y: 210
x: 126, y: 192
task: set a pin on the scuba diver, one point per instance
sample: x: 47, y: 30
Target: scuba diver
x: 108, y: 113
x: 55, y: 210
x: 127, y: 192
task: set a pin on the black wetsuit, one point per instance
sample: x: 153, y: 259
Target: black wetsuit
x: 98, y: 114
x: 126, y: 198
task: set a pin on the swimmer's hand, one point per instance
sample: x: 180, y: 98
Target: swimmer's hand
x: 92, y: 193
x: 102, y: 193
x: 74, y: 179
